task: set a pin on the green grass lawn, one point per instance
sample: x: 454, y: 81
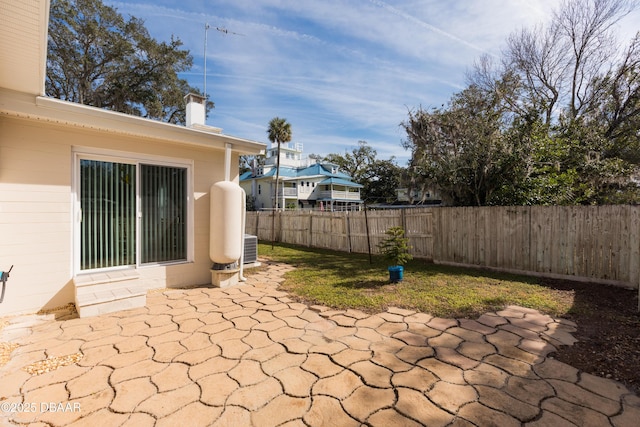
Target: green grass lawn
x: 342, y: 280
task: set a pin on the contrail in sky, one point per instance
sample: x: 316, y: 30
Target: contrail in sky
x: 427, y: 26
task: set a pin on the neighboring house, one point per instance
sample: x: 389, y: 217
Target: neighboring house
x: 430, y: 197
x: 97, y: 207
x: 304, y: 183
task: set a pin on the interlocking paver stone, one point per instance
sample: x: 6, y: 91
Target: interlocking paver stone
x: 417, y: 378
x: 88, y: 383
x: 175, y: 375
x: 411, y: 338
x: 339, y: 386
x: 123, y: 359
x: 497, y: 399
x: 213, y: 365
x: 577, y: 414
x: 234, y: 349
x: 129, y: 394
x: 480, y: 415
x: 366, y: 400
x: 552, y: 369
x: 444, y: 371
x: 528, y: 390
x: 165, y: 403
x: 451, y: 397
x: 327, y: 411
x: 196, y: 414
x: 167, y: 351
x: 445, y: 340
x: 476, y: 350
x: 629, y: 416
x: 603, y: 387
x: 485, y: 374
x: 580, y: 396
x: 350, y: 356
x: 257, y: 395
x: 321, y: 366
x: 296, y: 381
x: 279, y: 410
x: 391, y: 362
x: 249, y: 355
x: 233, y: 416
x: 196, y: 341
x: 372, y: 374
x: 412, y: 354
x: 216, y: 388
x: 452, y: 357
x: 247, y: 372
x: 61, y: 375
x: 416, y: 405
x: 512, y: 366
x: 390, y: 417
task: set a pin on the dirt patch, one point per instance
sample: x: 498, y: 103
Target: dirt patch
x: 608, y: 331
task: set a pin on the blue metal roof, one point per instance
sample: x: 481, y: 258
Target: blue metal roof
x: 313, y: 170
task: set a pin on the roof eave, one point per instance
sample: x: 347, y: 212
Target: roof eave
x: 83, y: 116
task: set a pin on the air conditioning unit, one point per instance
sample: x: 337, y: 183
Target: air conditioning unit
x: 250, y: 249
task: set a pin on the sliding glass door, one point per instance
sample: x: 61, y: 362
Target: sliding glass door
x: 111, y: 194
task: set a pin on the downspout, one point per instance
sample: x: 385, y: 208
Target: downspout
x: 244, y: 223
x: 227, y: 162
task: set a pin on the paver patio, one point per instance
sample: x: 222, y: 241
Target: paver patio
x: 250, y: 355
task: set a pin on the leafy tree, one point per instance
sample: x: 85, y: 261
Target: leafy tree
x: 462, y: 151
x: 97, y: 58
x: 279, y: 131
x: 555, y: 122
x: 355, y: 163
x: 251, y: 163
x: 379, y: 178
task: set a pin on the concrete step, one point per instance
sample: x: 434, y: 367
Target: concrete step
x: 101, y: 293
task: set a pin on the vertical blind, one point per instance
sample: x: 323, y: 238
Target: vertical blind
x: 108, y: 204
x: 164, y: 209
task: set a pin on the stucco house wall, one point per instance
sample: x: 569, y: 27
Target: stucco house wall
x: 42, y: 141
x: 36, y: 210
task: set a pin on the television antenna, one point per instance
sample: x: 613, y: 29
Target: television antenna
x: 206, y: 29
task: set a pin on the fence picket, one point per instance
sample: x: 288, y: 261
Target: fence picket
x: 592, y: 243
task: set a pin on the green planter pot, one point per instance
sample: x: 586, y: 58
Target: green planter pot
x: 396, y: 273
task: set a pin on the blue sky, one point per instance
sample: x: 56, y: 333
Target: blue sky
x: 339, y: 71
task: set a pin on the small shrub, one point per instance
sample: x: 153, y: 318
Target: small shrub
x: 395, y: 247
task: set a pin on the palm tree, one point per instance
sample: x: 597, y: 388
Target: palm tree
x: 279, y: 131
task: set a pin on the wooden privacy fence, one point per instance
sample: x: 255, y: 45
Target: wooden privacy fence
x: 587, y: 243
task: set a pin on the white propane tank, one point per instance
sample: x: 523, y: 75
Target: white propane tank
x: 225, y: 245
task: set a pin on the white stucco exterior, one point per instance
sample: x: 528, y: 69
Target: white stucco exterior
x: 41, y: 140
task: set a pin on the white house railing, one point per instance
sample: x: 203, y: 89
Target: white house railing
x: 343, y: 195
x: 288, y: 192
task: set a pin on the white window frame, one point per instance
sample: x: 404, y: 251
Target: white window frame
x: 84, y: 153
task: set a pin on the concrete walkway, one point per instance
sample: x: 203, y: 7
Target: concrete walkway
x: 249, y: 355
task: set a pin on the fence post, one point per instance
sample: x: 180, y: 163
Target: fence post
x: 348, y: 228
x: 366, y: 224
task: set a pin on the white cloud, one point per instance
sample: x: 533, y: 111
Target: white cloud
x: 338, y: 70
